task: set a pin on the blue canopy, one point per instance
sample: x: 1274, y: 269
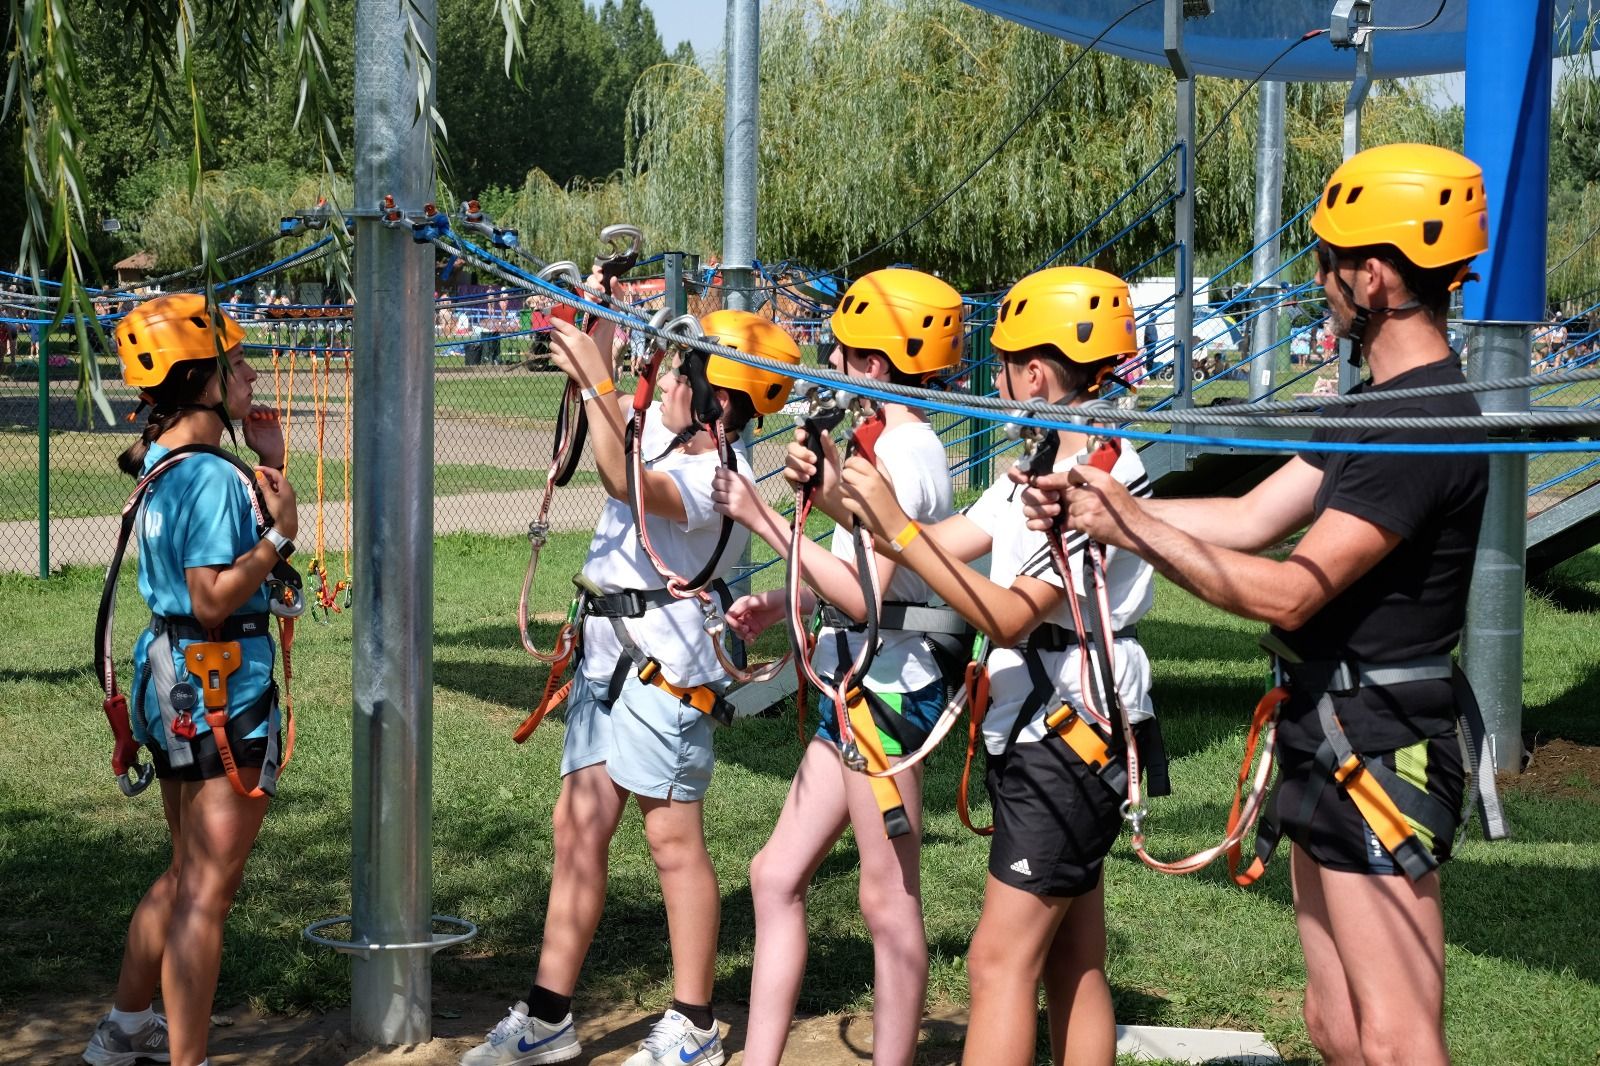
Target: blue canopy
x: 1244, y: 36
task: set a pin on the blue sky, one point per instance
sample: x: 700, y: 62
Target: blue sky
x: 697, y: 21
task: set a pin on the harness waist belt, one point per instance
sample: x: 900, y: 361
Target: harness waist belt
x: 1051, y: 637
x: 1343, y: 676
x: 910, y: 617
x: 629, y: 603
x: 234, y: 627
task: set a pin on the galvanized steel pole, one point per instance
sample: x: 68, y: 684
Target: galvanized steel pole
x: 1269, y: 217
x: 392, y: 778
x: 1183, y: 274
x: 1508, y: 134
x: 741, y: 124
x: 1354, y: 101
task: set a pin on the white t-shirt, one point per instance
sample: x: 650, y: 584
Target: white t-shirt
x: 675, y: 634
x: 1130, y: 588
x: 914, y: 458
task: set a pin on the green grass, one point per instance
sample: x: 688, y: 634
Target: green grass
x: 1524, y: 973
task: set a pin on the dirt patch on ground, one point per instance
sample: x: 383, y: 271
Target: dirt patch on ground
x: 55, y: 1034
x: 1559, y: 768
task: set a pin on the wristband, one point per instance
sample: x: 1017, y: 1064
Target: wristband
x: 905, y: 536
x: 604, y: 388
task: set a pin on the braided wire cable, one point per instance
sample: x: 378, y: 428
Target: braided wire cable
x: 1109, y: 420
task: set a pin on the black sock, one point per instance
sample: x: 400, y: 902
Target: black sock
x: 547, y: 1006
x: 699, y: 1015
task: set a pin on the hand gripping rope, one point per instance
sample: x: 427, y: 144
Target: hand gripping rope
x: 859, y: 745
x: 707, y: 415
x: 566, y: 451
x: 284, y: 600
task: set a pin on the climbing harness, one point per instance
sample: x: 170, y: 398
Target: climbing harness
x: 213, y: 656
x: 1402, y: 814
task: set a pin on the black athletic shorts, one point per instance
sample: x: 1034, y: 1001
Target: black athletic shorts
x: 1335, y: 835
x: 1054, y: 819
x: 247, y: 754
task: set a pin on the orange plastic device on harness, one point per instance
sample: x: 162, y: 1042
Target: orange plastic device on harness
x: 211, y: 656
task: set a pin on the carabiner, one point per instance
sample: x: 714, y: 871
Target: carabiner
x: 613, y: 235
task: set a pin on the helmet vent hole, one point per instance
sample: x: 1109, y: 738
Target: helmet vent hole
x: 947, y: 320
x: 146, y: 362
x: 1116, y: 301
x: 1021, y: 305
x: 1444, y: 197
x: 1431, y: 230
x: 1094, y: 303
x: 862, y: 306
x: 1470, y: 191
x: 927, y: 320
x: 913, y: 346
x: 199, y: 323
x: 1005, y: 309
x: 1085, y: 329
x: 1355, y: 192
x: 848, y: 300
x: 773, y: 390
x: 1333, y: 194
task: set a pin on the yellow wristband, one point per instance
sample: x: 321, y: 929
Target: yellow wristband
x: 605, y: 388
x: 905, y: 536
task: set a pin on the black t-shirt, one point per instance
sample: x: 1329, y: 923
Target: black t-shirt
x: 1414, y: 601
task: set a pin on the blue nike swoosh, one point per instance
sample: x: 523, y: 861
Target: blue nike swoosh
x: 525, y: 1047
x: 690, y: 1056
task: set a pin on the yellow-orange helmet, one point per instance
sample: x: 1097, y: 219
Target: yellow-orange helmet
x: 911, y: 317
x: 160, y: 333
x: 1426, y: 201
x: 1083, y: 313
x: 767, y: 389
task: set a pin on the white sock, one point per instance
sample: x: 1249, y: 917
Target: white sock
x: 130, y: 1021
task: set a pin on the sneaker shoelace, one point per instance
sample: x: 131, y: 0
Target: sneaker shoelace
x: 665, y: 1035
x: 507, y: 1025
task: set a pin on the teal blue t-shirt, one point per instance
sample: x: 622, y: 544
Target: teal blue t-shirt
x: 196, y: 514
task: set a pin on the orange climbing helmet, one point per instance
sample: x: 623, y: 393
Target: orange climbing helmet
x: 1083, y: 313
x: 767, y: 389
x: 911, y: 317
x: 160, y: 333
x: 1426, y: 201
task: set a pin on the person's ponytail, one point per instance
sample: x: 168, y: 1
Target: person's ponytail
x: 168, y: 402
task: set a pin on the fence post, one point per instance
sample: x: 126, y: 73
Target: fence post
x: 41, y: 338
x: 978, y: 469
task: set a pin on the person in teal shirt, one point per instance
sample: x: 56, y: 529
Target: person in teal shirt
x: 208, y: 541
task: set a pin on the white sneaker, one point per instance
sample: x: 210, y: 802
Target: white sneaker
x: 674, y: 1041
x: 110, y: 1046
x: 521, y: 1040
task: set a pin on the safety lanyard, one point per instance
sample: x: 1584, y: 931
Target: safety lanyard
x: 697, y: 587
x: 825, y: 414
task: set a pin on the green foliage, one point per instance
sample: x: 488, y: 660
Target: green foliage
x: 847, y: 160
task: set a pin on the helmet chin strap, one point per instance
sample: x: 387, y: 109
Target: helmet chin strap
x: 1362, y: 318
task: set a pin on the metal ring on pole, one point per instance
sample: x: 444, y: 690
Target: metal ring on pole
x: 439, y: 942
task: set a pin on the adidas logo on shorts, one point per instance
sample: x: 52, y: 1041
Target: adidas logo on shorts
x: 1021, y: 866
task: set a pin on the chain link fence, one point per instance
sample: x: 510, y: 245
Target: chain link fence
x: 495, y: 398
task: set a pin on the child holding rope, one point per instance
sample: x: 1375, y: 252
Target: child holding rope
x: 639, y: 715
x: 1060, y: 333
x: 899, y: 326
x: 205, y: 553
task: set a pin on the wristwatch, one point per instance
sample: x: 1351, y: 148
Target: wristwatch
x: 282, y: 544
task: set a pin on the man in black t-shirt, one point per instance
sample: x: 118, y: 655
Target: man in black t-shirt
x: 1365, y: 610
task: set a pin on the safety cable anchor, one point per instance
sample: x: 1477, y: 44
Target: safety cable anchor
x: 365, y: 948
x: 431, y: 226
